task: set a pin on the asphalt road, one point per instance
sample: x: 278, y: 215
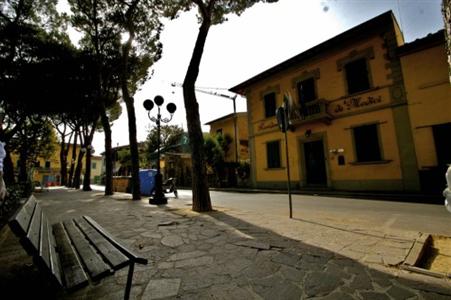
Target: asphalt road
x: 426, y: 218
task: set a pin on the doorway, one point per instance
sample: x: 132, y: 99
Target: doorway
x: 442, y: 135
x: 433, y: 180
x: 315, y: 164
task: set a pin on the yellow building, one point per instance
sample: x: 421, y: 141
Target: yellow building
x: 425, y: 71
x: 228, y: 125
x: 351, y: 128
x: 47, y: 171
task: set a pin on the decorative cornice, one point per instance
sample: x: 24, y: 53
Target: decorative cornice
x: 315, y: 73
x: 367, y: 53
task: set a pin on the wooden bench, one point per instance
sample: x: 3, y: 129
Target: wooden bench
x: 74, y: 252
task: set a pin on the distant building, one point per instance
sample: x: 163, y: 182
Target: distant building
x: 226, y: 125
x: 175, y: 161
x: 48, y: 171
x: 357, y: 112
x: 96, y: 169
x: 123, y: 168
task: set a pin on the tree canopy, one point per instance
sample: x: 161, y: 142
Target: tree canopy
x: 170, y: 136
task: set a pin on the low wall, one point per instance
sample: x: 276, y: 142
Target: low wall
x: 121, y: 184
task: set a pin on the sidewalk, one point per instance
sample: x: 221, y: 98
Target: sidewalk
x: 228, y: 254
x: 377, y: 195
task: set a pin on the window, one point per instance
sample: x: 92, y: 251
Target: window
x: 219, y: 131
x: 306, y: 90
x: 270, y: 104
x: 93, y: 165
x: 273, y: 154
x: 47, y: 164
x: 366, y: 139
x: 357, y: 76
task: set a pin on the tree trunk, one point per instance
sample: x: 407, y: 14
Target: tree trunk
x: 201, y: 195
x: 78, y: 168
x: 134, y: 153
x: 70, y: 182
x: 8, y: 169
x: 88, y: 147
x: 23, y: 176
x: 79, y: 163
x: 64, y: 151
x: 87, y: 178
x: 136, y: 189
x: 63, y: 163
x: 108, y: 153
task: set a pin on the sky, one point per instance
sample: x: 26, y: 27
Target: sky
x: 244, y: 46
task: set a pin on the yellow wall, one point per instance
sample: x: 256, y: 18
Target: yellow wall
x: 331, y: 85
x: 429, y: 96
x: 97, y: 171
x: 337, y: 136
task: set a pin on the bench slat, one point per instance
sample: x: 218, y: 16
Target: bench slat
x: 54, y: 257
x: 47, y: 258
x: 131, y: 255
x: 20, y: 222
x: 34, y: 231
x: 74, y: 276
x: 112, y: 255
x: 44, y: 249
x: 92, y: 261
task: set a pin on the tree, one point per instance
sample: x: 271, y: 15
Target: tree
x: 61, y: 124
x: 33, y: 53
x: 170, y: 135
x: 216, y: 148
x: 122, y: 66
x: 102, y: 42
x: 214, y: 155
x: 36, y: 138
x: 139, y: 20
x: 211, y: 12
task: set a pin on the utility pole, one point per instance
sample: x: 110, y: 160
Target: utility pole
x: 283, y: 122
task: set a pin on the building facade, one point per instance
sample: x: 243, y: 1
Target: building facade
x: 349, y: 115
x: 425, y: 72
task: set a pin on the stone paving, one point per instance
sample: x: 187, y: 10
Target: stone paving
x: 227, y: 255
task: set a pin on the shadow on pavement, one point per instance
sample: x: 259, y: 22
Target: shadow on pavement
x: 210, y: 256
x: 321, y: 273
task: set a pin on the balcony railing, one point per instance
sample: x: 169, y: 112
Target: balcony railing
x: 313, y: 111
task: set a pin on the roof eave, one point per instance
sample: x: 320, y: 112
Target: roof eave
x: 372, y: 24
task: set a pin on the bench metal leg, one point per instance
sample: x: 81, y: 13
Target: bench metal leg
x: 129, y: 281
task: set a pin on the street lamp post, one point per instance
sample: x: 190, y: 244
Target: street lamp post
x: 158, y: 197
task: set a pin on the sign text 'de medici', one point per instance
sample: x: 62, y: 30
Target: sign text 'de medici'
x: 356, y: 103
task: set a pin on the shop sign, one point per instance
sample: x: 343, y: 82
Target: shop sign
x: 266, y: 125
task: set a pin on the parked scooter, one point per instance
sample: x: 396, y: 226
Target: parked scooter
x: 169, y: 187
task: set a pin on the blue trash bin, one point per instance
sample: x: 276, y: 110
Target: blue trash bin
x: 147, y: 181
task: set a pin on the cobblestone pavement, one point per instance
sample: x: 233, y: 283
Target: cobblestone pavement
x: 226, y: 255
